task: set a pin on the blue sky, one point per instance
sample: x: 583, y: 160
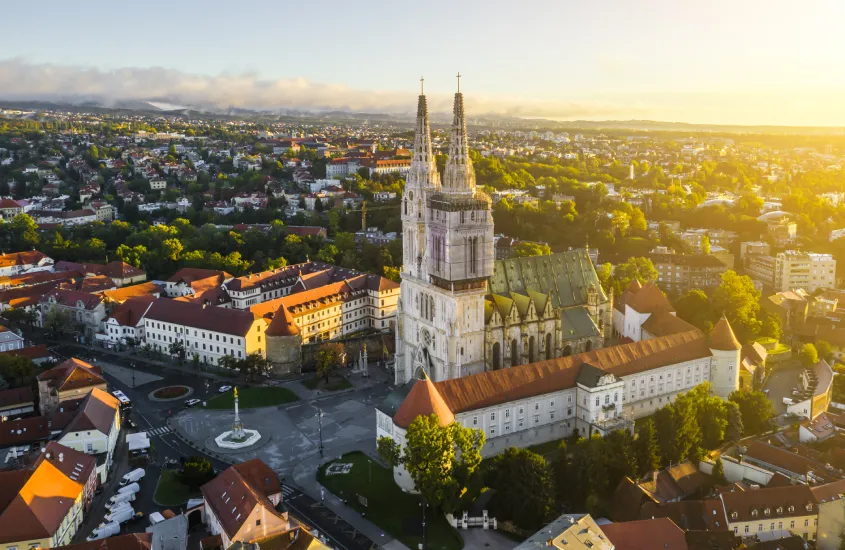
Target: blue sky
x: 740, y: 61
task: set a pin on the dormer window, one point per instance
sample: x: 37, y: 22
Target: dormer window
x: 733, y: 515
x: 792, y: 508
x: 809, y: 507
x: 780, y: 509
x: 754, y: 513
x: 767, y: 511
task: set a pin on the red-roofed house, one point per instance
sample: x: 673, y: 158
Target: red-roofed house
x: 126, y: 322
x: 73, y: 309
x: 70, y: 380
x: 95, y: 429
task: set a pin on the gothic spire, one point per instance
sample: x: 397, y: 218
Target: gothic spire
x: 459, y: 175
x: 423, y: 171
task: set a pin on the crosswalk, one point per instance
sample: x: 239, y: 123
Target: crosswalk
x: 288, y: 492
x: 159, y: 431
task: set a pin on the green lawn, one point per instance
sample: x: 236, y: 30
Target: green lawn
x: 398, y: 513
x: 169, y: 492
x: 251, y: 398
x: 335, y: 383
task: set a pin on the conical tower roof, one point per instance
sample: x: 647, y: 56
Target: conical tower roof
x: 722, y: 337
x: 459, y: 176
x: 423, y: 399
x: 423, y: 172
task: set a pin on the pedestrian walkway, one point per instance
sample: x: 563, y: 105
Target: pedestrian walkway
x: 159, y: 431
x: 288, y: 492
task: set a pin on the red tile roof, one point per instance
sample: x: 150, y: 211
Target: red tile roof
x: 30, y: 257
x: 98, y: 412
x: 722, y: 337
x: 260, y: 476
x: 423, y: 400
x: 73, y: 374
x: 649, y: 299
x: 500, y: 386
x: 16, y: 396
x: 129, y: 541
x: 73, y: 298
x: 752, y: 505
x: 216, y: 319
x: 130, y: 312
x: 647, y: 534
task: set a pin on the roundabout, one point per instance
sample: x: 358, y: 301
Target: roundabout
x: 170, y: 393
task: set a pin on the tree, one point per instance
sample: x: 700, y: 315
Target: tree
x: 523, y: 484
x: 638, y: 268
x: 57, y: 321
x: 695, y: 308
x: 733, y: 430
x: 737, y: 298
x: 525, y: 249
x: 605, y: 276
x: 756, y: 411
x: 705, y: 245
x: 441, y: 460
x: 719, y: 472
x: 196, y: 471
x: 809, y: 355
x: 647, y: 449
x: 824, y: 349
x: 177, y: 348
x: 327, y: 358
x: 327, y: 254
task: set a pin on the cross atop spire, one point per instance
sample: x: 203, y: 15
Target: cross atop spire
x: 459, y: 81
x: 422, y: 85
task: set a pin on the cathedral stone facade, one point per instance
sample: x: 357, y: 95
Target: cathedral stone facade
x: 461, y: 313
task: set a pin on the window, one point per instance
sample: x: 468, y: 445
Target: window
x: 475, y: 421
x: 507, y: 413
x: 258, y: 522
x: 597, y: 401
x: 492, y: 416
x: 792, y: 524
x: 746, y: 528
x: 536, y: 418
x: 806, y: 523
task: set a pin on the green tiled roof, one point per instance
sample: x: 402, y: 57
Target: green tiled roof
x: 576, y: 323
x: 565, y: 277
x: 522, y: 304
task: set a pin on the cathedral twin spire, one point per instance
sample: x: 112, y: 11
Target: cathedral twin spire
x: 459, y: 176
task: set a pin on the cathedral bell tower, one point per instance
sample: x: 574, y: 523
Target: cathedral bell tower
x: 448, y: 242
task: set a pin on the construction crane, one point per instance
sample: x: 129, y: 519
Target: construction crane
x: 363, y: 210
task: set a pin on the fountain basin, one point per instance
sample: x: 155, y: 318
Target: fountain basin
x: 232, y: 440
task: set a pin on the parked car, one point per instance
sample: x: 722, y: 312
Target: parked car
x: 224, y: 389
x: 796, y: 392
x: 133, y: 476
x: 192, y: 402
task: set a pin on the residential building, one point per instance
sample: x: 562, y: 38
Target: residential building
x: 240, y: 504
x: 16, y: 402
x: 120, y: 272
x: 782, y: 231
x: 206, y: 332
x: 125, y: 325
x: 792, y: 307
x: 120, y: 295
x: 754, y: 248
x: 682, y: 272
x: 44, y: 504
x: 818, y: 429
x: 70, y: 380
x: 805, y: 270
x: 10, y: 208
x: 189, y: 280
x: 94, y: 429
x: 10, y: 340
x: 762, y: 269
x: 831, y: 506
x: 376, y: 236
x: 645, y: 534
x: 816, y: 385
x: 83, y: 311
x: 569, y: 532
x: 752, y: 370
x: 15, y: 263
x: 774, y: 510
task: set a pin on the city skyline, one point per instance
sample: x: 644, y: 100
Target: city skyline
x: 724, y: 63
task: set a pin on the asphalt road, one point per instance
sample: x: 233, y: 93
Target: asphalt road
x: 781, y: 383
x: 151, y: 416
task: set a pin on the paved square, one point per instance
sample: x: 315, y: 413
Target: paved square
x: 292, y: 431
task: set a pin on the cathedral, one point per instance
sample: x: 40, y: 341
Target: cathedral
x: 460, y: 311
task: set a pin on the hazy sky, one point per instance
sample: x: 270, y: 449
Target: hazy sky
x: 738, y: 61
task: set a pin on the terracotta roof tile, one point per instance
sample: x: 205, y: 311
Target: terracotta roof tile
x: 745, y: 503
x: 216, y: 319
x: 423, y: 400
x: 649, y: 299
x: 130, y: 312
x: 663, y: 323
x: 73, y: 374
x: 647, y: 534
x: 128, y: 541
x: 98, y: 412
x: 722, y: 337
x: 16, y: 396
x: 122, y: 294
x: 500, y: 386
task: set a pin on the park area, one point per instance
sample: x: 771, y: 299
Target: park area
x: 395, y: 511
x: 252, y: 398
x: 171, y: 492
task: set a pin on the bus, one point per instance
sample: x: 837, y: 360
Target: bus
x: 125, y: 403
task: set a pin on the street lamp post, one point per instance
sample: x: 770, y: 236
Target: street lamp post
x: 424, y: 538
x: 370, y: 469
x: 133, y: 376
x: 320, y: 420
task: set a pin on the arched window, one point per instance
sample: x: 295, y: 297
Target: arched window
x: 567, y: 351
x: 514, y: 353
x: 497, y: 356
x: 406, y: 207
x: 431, y: 310
x: 532, y: 349
x: 588, y: 346
x: 548, y: 346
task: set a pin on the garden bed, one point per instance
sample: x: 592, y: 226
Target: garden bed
x: 171, y: 392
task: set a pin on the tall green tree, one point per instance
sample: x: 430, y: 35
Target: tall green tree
x: 756, y: 411
x: 523, y: 484
x: 647, y: 448
x: 737, y: 298
x: 809, y: 355
x: 441, y: 460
